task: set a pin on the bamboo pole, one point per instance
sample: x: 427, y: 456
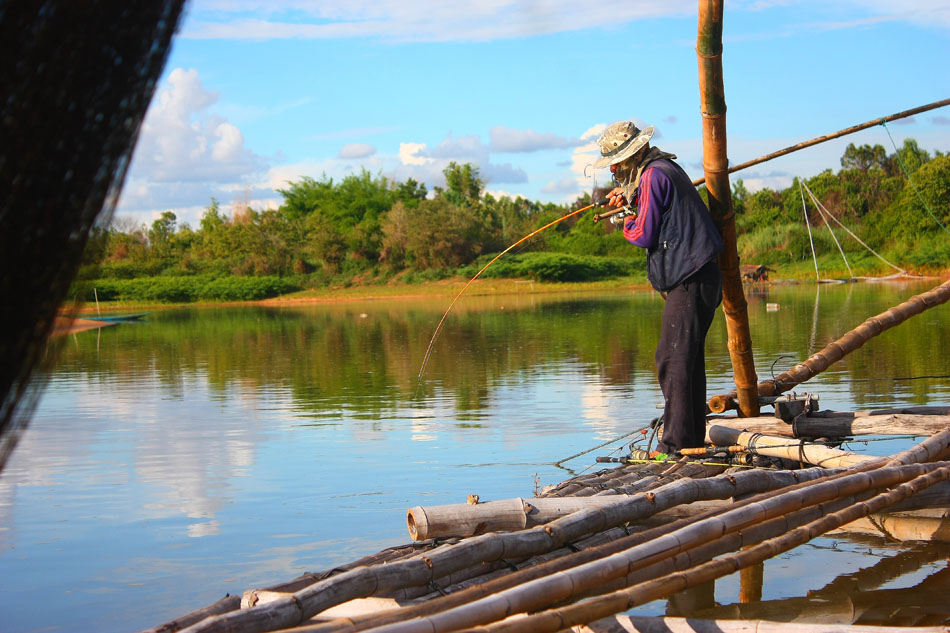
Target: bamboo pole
x: 631, y: 624
x: 751, y: 580
x: 618, y: 601
x: 715, y: 167
x: 840, y: 348
x: 508, y: 515
x: 834, y: 135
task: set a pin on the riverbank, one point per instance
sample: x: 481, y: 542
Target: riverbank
x: 443, y: 288
x: 450, y: 287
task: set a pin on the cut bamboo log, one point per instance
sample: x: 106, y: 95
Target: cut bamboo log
x: 507, y: 515
x: 842, y: 426
x: 628, y: 624
x: 838, y: 349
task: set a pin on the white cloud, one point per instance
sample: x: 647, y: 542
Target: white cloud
x: 356, y: 150
x: 505, y: 139
x: 411, y: 154
x: 436, y: 21
x: 185, y: 154
x: 422, y: 20
x: 425, y: 164
x: 181, y: 142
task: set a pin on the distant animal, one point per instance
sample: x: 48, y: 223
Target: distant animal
x: 755, y: 272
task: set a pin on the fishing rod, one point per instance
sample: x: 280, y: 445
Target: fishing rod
x: 438, y: 328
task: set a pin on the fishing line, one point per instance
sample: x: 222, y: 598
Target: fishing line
x: 438, y: 328
x: 590, y: 450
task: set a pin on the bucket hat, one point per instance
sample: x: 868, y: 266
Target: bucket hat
x: 620, y: 141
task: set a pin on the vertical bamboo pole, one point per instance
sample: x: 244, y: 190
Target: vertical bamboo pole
x: 750, y: 583
x: 715, y: 166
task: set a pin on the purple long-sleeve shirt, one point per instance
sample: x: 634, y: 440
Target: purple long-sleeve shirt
x: 654, y: 196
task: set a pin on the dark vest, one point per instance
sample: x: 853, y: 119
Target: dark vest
x: 688, y: 237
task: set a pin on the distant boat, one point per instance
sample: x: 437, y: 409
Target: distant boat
x: 117, y: 317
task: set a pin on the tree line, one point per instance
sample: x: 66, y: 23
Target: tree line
x: 369, y: 227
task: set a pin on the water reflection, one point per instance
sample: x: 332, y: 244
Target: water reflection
x: 210, y: 450
x: 906, y: 586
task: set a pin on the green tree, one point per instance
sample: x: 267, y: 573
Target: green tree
x: 411, y: 193
x: 911, y: 155
x: 160, y: 234
x: 864, y: 157
x: 463, y: 183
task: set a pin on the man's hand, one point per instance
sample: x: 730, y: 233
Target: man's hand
x: 615, y: 198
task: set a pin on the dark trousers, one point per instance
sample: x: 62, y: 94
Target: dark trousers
x: 681, y: 359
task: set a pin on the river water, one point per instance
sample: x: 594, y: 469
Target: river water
x: 207, y: 451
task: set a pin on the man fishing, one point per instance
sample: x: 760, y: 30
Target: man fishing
x: 664, y: 214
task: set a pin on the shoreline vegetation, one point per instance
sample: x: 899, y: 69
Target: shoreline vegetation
x: 445, y: 289
x: 369, y: 237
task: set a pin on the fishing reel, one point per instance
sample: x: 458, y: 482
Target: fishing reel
x: 624, y: 212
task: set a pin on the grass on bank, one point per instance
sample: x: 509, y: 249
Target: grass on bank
x: 515, y: 274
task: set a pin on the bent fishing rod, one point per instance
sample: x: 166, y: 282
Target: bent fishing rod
x: 438, y: 328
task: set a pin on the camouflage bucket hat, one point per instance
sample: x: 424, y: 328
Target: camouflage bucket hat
x: 620, y: 141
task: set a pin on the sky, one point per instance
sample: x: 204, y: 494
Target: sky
x: 258, y: 94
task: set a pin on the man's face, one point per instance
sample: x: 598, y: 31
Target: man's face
x: 619, y: 170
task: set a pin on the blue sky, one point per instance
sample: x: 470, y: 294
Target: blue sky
x: 259, y: 93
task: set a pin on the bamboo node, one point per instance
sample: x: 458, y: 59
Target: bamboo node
x: 427, y: 561
x: 731, y: 479
x: 651, y: 497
